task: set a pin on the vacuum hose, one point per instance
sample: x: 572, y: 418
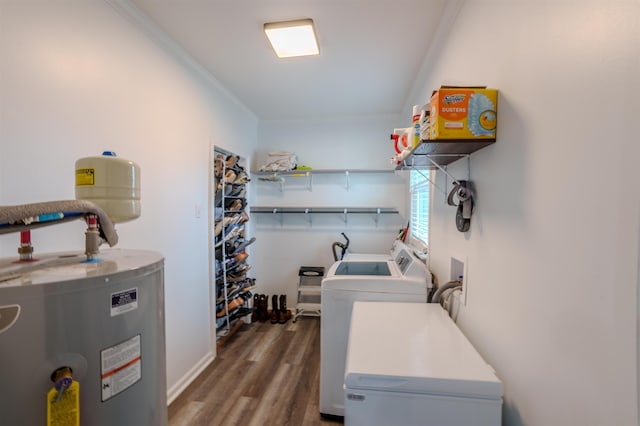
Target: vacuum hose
x: 343, y: 248
x: 333, y: 248
x: 451, y: 284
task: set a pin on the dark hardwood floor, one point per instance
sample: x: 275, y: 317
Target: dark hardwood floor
x: 265, y: 374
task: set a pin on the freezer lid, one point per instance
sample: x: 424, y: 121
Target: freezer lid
x: 414, y: 348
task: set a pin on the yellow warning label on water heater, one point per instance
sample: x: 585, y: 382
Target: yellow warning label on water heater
x: 85, y: 177
x: 64, y: 409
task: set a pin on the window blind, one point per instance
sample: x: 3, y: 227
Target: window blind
x: 419, y: 225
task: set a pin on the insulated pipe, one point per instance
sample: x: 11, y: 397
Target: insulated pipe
x: 440, y: 290
x: 12, y: 218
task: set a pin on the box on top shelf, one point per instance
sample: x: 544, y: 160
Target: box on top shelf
x: 463, y: 113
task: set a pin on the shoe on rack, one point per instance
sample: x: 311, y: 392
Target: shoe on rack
x: 236, y: 189
x: 230, y: 176
x: 232, y: 204
x: 218, y: 250
x: 237, y: 218
x: 249, y: 285
x: 229, y: 295
x: 235, y: 204
x: 220, y: 322
x: 242, y: 217
x: 218, y: 197
x: 241, y: 312
x: 221, y: 312
x: 242, y: 245
x: 242, y: 178
x: 231, y: 247
x: 240, y: 256
x: 221, y: 224
x: 236, y: 290
x: 218, y: 166
x: 241, y: 270
x: 231, y: 161
x: 238, y: 168
x: 234, y: 279
x: 235, y: 303
x: 233, y: 232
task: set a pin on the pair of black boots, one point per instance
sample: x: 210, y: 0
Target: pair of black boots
x: 279, y: 314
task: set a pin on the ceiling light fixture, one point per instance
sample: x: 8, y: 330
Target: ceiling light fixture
x: 292, y: 38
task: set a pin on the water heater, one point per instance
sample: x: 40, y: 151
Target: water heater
x: 99, y: 325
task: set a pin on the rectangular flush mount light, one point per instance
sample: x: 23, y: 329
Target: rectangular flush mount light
x: 292, y: 38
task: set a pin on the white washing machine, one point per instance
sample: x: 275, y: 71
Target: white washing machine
x: 424, y: 372
x: 404, y: 278
x: 396, y: 247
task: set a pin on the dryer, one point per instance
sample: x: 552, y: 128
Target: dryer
x: 404, y: 278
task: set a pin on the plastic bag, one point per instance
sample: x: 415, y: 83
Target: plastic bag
x: 280, y: 161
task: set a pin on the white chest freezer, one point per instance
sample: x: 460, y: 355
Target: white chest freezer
x: 402, y: 279
x: 409, y: 364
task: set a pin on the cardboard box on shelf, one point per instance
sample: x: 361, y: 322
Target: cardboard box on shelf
x: 464, y: 113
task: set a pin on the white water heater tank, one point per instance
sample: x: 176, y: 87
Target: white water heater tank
x: 112, y: 183
x: 100, y: 322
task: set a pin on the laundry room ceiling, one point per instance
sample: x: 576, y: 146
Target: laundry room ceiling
x: 371, y: 51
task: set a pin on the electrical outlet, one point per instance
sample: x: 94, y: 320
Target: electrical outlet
x: 459, y: 271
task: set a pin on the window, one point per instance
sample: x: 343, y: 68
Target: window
x: 419, y: 225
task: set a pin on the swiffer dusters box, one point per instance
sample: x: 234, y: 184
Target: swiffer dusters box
x: 464, y: 113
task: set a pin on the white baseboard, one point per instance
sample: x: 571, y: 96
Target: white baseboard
x: 174, y: 391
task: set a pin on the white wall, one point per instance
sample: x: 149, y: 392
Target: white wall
x: 78, y: 78
x: 553, y: 251
x: 288, y: 242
